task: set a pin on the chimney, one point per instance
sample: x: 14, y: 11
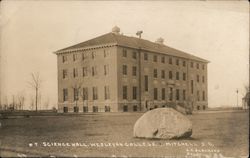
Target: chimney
x: 138, y: 33
x: 160, y: 41
x: 116, y: 30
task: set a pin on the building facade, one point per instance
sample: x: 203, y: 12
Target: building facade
x: 117, y: 73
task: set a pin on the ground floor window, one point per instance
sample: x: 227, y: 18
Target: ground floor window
x: 76, y: 109
x: 85, y: 109
x: 125, y: 108
x: 204, y: 107
x: 65, y: 109
x: 198, y: 107
x: 135, y: 108
x: 107, y: 108
x: 95, y: 108
x: 156, y: 106
x: 163, y: 106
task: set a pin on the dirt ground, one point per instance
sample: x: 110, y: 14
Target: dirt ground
x: 221, y: 134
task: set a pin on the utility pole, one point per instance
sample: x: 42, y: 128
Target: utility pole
x: 237, y: 98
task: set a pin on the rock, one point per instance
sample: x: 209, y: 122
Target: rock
x: 163, y: 123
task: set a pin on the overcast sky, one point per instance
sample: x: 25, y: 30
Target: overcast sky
x: 217, y: 31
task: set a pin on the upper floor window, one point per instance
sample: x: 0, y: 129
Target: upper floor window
x: 184, y: 63
x: 177, y: 94
x: 124, y: 53
x: 76, y: 93
x: 163, y: 96
x: 94, y: 71
x: 203, y: 79
x: 192, y: 64
x: 163, y: 59
x: 65, y: 73
x: 203, y: 67
x: 95, y: 93
x: 134, y: 96
x: 65, y: 94
x: 170, y: 75
x: 106, y: 69
x: 124, y: 70
x: 171, y: 94
x: 177, y: 61
x: 134, y: 55
x: 106, y: 92
x: 145, y: 56
x: 155, y: 73
x: 93, y: 55
x: 155, y: 58
x: 198, y: 95
x: 104, y: 53
x: 170, y: 60
x: 197, y: 65
x: 64, y: 58
x: 75, y: 72
x: 184, y: 94
x: 162, y: 74
x: 146, y: 82
x: 85, y: 93
x: 177, y: 76
x: 203, y: 96
x: 184, y: 76
x: 84, y: 72
x: 198, y: 78
x: 83, y: 56
x: 125, y: 92
x: 155, y: 93
x: 134, y: 71
x: 74, y: 57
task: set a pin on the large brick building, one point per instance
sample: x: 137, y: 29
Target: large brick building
x: 114, y: 72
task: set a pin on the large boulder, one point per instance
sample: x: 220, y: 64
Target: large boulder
x: 163, y: 123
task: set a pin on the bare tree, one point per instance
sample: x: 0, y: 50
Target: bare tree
x: 35, y: 83
x: 46, y: 104
x: 21, y: 100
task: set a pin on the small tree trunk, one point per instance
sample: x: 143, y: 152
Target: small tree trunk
x: 36, y: 98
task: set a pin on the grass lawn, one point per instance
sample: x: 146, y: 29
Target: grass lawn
x: 226, y: 132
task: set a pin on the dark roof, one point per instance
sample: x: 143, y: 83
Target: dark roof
x: 133, y: 42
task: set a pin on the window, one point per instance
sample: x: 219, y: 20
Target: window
x: 192, y: 86
x: 95, y: 108
x: 85, y: 93
x: 170, y: 61
x: 106, y: 69
x: 177, y: 76
x: 155, y: 58
x: 198, y: 107
x: 203, y: 79
x: 170, y: 75
x: 83, y: 56
x: 170, y: 93
x: 93, y: 55
x: 75, y: 72
x: 104, y: 53
x: 163, y: 59
x: 177, y: 61
x: 203, y: 67
x: 192, y: 64
x: 155, y: 73
x: 65, y: 94
x: 106, y: 92
x: 184, y: 94
x: 198, y: 95
x: 146, y: 83
x: 94, y: 71
x: 76, y: 109
x: 203, y: 96
x: 65, y: 109
x: 134, y: 71
x: 198, y: 78
x: 184, y: 76
x: 107, y: 108
x: 134, y: 56
x: 65, y: 74
x: 184, y: 63
x: 155, y: 94
x: 64, y: 58
x: 74, y: 57
x: 125, y: 108
x: 124, y: 53
x: 95, y: 93
x: 163, y: 94
x: 162, y: 74
x: 85, y: 109
x: 177, y: 94
x: 124, y: 70
x: 76, y: 92
x: 197, y: 65
x: 135, y: 108
x: 145, y: 56
x: 134, y: 93
x: 84, y: 72
x: 125, y: 92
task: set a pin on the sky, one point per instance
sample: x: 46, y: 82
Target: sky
x: 214, y: 30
